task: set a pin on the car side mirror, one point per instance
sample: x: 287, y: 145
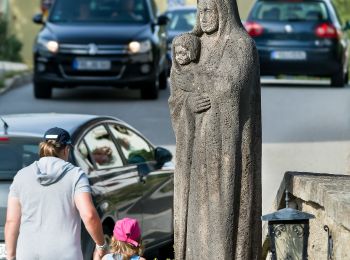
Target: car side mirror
x: 162, y: 20
x: 346, y: 26
x: 38, y: 19
x: 162, y: 156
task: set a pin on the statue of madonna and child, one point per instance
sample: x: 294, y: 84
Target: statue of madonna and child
x: 216, y: 117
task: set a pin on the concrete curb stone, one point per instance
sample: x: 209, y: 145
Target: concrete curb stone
x: 16, y: 81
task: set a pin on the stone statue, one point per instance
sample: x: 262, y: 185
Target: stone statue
x: 215, y: 110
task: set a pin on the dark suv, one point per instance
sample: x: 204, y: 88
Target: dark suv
x: 101, y: 42
x: 300, y: 38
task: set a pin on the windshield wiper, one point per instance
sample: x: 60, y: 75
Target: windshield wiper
x: 6, y: 126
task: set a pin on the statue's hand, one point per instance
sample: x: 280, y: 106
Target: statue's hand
x: 199, y: 103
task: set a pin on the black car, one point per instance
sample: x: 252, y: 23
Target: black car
x: 181, y: 19
x: 115, y: 43
x: 128, y: 175
x: 305, y: 37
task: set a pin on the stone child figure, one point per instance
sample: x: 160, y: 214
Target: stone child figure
x: 186, y: 48
x: 217, y: 182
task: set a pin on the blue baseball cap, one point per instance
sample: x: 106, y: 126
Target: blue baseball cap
x: 59, y: 135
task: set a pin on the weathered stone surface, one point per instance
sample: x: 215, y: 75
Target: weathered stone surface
x: 215, y: 109
x: 327, y: 197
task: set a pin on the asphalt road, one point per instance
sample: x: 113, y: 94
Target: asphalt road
x: 306, y: 124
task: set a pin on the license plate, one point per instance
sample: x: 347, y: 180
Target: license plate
x: 2, y: 251
x: 288, y: 55
x: 91, y: 64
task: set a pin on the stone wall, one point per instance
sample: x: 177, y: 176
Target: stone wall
x: 327, y: 197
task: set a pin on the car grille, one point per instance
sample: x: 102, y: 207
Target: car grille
x: 93, y: 49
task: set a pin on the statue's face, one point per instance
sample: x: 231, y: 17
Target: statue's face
x: 208, y: 16
x: 182, y: 55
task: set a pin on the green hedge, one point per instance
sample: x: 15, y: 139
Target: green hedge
x: 10, y: 46
x: 343, y: 7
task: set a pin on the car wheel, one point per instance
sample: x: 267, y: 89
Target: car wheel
x: 150, y: 90
x: 338, y: 79
x: 163, y: 79
x: 42, y: 90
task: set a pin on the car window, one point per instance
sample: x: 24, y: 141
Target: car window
x: 14, y: 155
x: 100, y: 11
x: 100, y: 149
x: 181, y: 20
x: 133, y: 146
x: 290, y: 11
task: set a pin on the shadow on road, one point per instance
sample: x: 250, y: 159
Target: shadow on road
x: 89, y: 94
x: 297, y: 83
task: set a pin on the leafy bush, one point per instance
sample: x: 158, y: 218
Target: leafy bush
x: 10, y: 46
x: 343, y: 7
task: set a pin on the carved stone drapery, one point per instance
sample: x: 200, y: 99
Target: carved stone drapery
x: 217, y: 124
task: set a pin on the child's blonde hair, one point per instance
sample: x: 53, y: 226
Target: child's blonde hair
x: 126, y: 250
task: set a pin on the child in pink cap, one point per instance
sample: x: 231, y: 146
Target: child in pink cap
x: 126, y: 241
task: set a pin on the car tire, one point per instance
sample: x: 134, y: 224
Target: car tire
x: 42, y: 90
x: 163, y: 79
x: 150, y: 90
x: 338, y: 79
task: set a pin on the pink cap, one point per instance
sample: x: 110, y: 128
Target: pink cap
x: 127, y: 230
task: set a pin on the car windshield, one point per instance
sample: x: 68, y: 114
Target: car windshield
x: 14, y: 155
x: 290, y: 11
x: 99, y: 11
x: 181, y: 20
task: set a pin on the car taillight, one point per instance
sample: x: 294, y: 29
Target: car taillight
x: 254, y: 29
x: 4, y: 138
x: 326, y: 30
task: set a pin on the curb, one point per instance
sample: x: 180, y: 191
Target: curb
x: 16, y: 81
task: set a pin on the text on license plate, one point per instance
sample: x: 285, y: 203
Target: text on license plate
x: 91, y: 64
x: 288, y: 55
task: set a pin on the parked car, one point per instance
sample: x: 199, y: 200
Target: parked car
x: 101, y: 42
x: 181, y: 19
x: 300, y: 38
x: 128, y: 175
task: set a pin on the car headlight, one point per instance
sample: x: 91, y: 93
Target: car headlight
x: 48, y: 45
x: 140, y: 47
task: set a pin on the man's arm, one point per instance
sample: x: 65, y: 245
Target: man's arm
x: 13, y: 221
x: 90, y: 218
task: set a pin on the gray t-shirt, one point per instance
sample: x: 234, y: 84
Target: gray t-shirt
x: 50, y: 223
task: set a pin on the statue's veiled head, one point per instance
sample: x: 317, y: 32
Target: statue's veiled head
x: 216, y: 16
x: 208, y: 16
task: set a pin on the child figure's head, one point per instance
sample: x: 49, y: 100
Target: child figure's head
x: 186, y: 48
x: 126, y: 238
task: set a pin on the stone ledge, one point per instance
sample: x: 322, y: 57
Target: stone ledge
x: 331, y: 192
x: 16, y: 81
x: 327, y: 196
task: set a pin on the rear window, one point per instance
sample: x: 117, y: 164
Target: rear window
x: 290, y: 11
x: 14, y: 155
x: 100, y: 11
